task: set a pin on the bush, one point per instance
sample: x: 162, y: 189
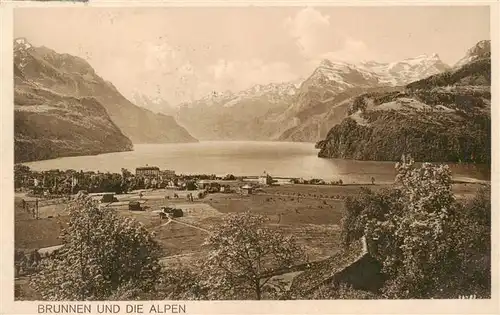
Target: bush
x: 430, y: 245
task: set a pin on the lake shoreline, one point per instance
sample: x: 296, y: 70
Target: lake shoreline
x: 245, y: 158
x: 243, y: 141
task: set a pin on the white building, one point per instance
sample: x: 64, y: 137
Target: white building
x: 265, y: 179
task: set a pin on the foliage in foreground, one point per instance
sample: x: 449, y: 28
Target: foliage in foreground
x: 341, y: 292
x: 431, y: 245
x: 103, y: 255
x: 244, y: 254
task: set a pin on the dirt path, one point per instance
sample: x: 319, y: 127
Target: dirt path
x: 193, y: 226
x: 166, y: 223
x: 161, y: 225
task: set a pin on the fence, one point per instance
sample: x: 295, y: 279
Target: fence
x: 32, y: 206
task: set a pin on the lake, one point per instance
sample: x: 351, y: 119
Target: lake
x: 286, y: 159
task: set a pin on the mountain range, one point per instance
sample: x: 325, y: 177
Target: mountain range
x: 303, y: 110
x: 444, y: 117
x: 63, y: 108
x: 247, y: 115
x: 370, y: 110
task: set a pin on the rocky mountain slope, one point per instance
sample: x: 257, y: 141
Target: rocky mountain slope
x: 445, y: 117
x: 72, y: 76
x: 298, y: 111
x: 48, y: 124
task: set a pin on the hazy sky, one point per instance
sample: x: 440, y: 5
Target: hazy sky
x: 184, y: 53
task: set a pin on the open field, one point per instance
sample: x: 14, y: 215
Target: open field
x: 178, y: 239
x: 321, y: 191
x: 30, y: 233
x: 281, y: 209
x: 292, y: 204
x: 312, y: 213
x: 182, y: 236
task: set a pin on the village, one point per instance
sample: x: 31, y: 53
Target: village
x: 149, y: 182
x: 182, y: 210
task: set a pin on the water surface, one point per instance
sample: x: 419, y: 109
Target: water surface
x: 286, y: 159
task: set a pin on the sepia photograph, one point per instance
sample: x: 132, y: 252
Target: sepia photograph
x: 251, y: 153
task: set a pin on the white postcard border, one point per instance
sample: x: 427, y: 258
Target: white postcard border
x: 9, y: 306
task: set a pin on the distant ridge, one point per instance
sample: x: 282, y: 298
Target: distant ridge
x: 445, y: 117
x: 70, y: 75
x: 291, y: 111
x: 63, y: 108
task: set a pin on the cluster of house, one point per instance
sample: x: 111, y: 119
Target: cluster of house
x: 153, y: 175
x: 50, y: 182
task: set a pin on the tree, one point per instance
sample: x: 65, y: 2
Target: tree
x: 126, y: 173
x: 341, y: 292
x: 471, y: 232
x: 367, y: 205
x: 191, y: 185
x: 182, y: 283
x: 244, y: 254
x: 411, y: 238
x: 428, y: 243
x: 20, y: 173
x: 102, y: 254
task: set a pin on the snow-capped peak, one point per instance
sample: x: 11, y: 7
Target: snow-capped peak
x: 422, y: 59
x: 21, y: 51
x: 279, y: 88
x: 481, y: 50
x: 21, y: 43
x: 370, y: 72
x: 325, y: 63
x: 339, y: 75
x: 272, y: 92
